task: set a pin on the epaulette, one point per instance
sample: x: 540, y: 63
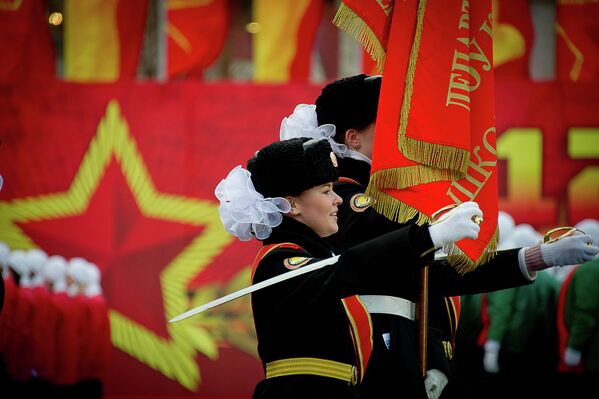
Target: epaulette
x: 267, y: 249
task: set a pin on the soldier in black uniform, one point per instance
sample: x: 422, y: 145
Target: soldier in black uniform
x: 314, y: 333
x: 350, y: 105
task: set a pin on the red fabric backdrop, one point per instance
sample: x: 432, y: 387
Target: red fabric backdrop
x: 169, y: 147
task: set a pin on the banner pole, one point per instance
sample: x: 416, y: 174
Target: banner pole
x: 423, y: 319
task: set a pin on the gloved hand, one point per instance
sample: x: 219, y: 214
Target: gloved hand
x: 434, y: 383
x: 572, y: 250
x: 572, y: 357
x: 456, y: 225
x: 491, y: 356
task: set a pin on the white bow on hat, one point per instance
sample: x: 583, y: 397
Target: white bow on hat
x: 245, y: 212
x: 303, y: 122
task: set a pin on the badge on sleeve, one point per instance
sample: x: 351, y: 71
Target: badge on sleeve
x: 360, y: 202
x: 295, y: 262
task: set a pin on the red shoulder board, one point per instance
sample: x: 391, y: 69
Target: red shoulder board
x: 361, y: 331
x: 344, y: 179
x: 267, y: 248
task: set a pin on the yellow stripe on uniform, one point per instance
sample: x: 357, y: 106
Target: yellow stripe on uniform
x: 313, y: 366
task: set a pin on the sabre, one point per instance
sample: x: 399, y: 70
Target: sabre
x: 255, y: 287
x: 264, y: 284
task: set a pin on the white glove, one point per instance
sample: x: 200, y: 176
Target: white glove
x: 434, y: 383
x: 572, y: 357
x: 456, y: 224
x: 491, y: 357
x: 572, y: 250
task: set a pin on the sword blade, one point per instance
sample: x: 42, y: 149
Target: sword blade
x: 255, y: 287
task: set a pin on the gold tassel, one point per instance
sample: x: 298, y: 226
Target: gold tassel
x: 435, y: 155
x: 394, y: 209
x: 408, y: 176
x: 463, y: 264
x: 351, y: 23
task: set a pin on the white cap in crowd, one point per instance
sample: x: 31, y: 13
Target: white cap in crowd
x: 55, y: 273
x: 590, y: 227
x: 17, y: 261
x: 523, y: 235
x: 506, y: 225
x: 77, y: 273
x: 36, y: 258
x: 94, y: 277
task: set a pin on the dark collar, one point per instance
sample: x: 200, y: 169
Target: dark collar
x: 290, y: 230
x: 355, y: 169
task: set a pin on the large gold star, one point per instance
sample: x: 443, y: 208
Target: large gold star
x: 174, y: 356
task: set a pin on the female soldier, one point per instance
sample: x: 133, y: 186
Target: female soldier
x: 314, y: 334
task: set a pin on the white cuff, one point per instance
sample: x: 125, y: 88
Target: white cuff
x: 528, y: 274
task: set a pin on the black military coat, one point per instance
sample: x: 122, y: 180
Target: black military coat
x: 305, y: 317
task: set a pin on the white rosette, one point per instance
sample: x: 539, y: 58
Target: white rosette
x: 245, y: 213
x: 304, y: 123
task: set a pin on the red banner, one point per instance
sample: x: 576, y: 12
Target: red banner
x: 197, y: 33
x: 548, y: 151
x: 27, y: 48
x: 435, y: 134
x: 513, y: 37
x: 124, y: 175
x: 577, y: 27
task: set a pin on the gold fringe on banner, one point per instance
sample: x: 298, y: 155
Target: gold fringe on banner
x: 463, y: 264
x: 351, y: 23
x: 394, y: 209
x: 436, y: 155
x: 409, y: 176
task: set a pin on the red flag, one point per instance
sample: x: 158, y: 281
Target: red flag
x: 283, y: 45
x: 102, y: 39
x: 513, y: 35
x: 28, y: 51
x: 435, y: 135
x: 197, y: 33
x: 367, y: 21
x: 577, y: 25
x: 131, y: 20
x: 369, y: 66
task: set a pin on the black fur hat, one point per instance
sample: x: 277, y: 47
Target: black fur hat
x: 349, y: 103
x: 289, y: 167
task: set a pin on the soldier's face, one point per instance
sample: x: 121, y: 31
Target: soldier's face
x: 317, y: 208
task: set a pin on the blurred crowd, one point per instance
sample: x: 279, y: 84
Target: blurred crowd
x: 543, y: 337
x: 54, y: 326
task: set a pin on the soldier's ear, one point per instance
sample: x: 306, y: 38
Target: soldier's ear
x: 294, y: 209
x: 352, y: 139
